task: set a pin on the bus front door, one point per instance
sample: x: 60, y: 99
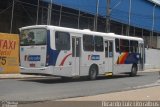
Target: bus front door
x: 142, y: 56
x: 108, y: 56
x: 76, y: 47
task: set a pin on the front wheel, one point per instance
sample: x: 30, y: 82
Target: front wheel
x: 93, y: 73
x: 134, y: 71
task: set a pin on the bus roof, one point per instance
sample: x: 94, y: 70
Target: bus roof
x: 89, y: 32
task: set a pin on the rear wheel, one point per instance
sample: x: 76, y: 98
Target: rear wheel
x: 93, y: 73
x: 134, y: 70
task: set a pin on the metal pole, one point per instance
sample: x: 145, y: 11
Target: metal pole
x: 130, y: 7
x: 142, y: 33
x: 129, y: 17
x: 108, y: 12
x: 49, y: 13
x: 97, y: 12
x: 60, y: 15
x: 134, y: 31
x: 79, y: 13
x: 157, y: 41
x: 94, y: 23
x: 42, y: 16
x: 126, y: 29
x: 96, y: 17
x: 150, y: 44
x: 37, y: 13
x: 12, y: 16
x: 153, y: 22
x: 108, y: 16
x: 122, y: 29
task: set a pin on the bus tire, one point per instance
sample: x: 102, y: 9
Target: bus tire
x: 134, y: 70
x: 93, y: 72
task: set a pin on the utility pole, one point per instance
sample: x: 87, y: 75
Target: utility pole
x: 12, y: 16
x: 49, y: 13
x: 129, y: 17
x: 37, y: 13
x: 108, y: 16
x: 60, y: 15
x: 79, y: 14
x: 153, y: 23
x: 96, y: 17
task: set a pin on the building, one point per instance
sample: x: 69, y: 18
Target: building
x: 126, y: 17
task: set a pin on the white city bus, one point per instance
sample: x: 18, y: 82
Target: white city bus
x: 67, y: 52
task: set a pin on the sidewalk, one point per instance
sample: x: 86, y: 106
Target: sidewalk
x: 150, y: 70
x: 145, y: 94
x: 18, y: 76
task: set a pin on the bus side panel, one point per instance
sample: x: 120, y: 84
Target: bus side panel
x: 60, y: 60
x: 122, y: 68
x: 124, y: 61
x: 85, y: 63
x: 63, y: 66
x: 89, y: 58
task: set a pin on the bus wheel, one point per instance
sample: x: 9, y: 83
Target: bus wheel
x: 133, y: 70
x: 93, y: 72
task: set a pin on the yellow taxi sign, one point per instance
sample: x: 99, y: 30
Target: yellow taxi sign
x: 9, y: 53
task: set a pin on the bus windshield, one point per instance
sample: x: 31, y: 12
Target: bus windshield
x: 36, y: 36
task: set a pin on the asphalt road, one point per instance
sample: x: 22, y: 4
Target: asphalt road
x: 43, y: 89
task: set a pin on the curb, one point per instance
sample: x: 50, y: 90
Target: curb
x: 150, y: 70
x: 18, y: 76
x: 22, y: 76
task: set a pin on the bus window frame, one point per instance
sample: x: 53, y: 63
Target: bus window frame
x: 66, y: 42
x: 93, y: 48
x: 33, y: 44
x: 102, y: 43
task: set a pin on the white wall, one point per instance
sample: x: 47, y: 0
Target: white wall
x: 152, y: 59
x: 158, y: 42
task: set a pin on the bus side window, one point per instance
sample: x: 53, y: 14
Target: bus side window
x: 88, y: 43
x: 133, y: 46
x: 124, y: 45
x: 106, y: 49
x: 99, y: 44
x: 110, y: 49
x: 62, y: 40
x: 117, y: 45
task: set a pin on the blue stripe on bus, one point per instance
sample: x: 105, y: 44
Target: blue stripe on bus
x: 132, y: 58
x: 129, y: 58
x: 53, y: 54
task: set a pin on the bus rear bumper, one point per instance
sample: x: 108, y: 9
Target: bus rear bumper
x: 36, y: 71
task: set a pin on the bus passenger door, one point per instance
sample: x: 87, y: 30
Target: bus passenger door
x: 76, y: 47
x: 108, y: 56
x: 142, y: 56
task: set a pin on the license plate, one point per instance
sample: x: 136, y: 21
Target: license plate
x: 32, y: 65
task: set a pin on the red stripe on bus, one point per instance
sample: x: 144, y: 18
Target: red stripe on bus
x: 124, y: 58
x: 64, y: 59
